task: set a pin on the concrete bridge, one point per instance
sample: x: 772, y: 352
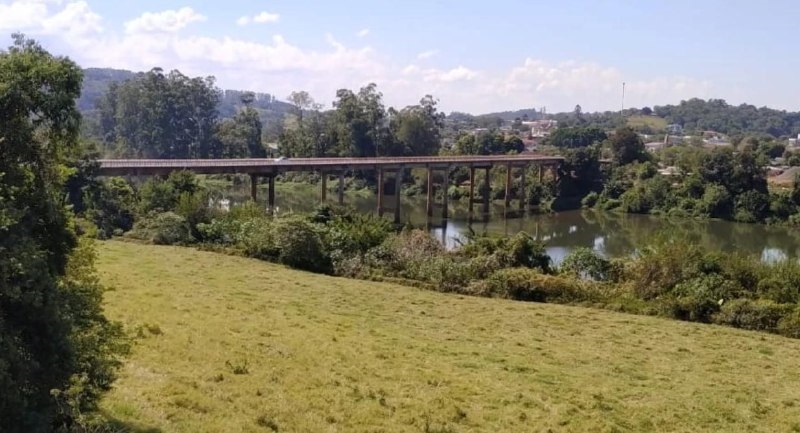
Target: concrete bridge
x: 270, y: 168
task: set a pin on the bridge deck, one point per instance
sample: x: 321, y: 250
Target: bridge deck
x: 119, y: 167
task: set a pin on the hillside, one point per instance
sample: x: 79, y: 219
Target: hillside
x: 232, y: 344
x: 97, y: 80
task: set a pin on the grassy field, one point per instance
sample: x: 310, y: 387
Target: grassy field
x: 227, y: 344
x: 655, y: 123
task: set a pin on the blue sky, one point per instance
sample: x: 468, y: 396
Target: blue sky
x: 474, y: 56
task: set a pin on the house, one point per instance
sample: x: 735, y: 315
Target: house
x: 654, y: 146
x: 675, y: 129
x: 541, y: 128
x: 669, y: 171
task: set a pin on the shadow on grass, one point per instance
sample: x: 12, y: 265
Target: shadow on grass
x: 118, y: 426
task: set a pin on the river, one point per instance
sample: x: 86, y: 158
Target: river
x: 609, y: 234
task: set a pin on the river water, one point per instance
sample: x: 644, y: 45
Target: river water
x: 609, y: 234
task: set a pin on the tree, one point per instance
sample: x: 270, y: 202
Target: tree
x: 627, y: 147
x: 158, y: 115
x: 576, y: 137
x: 57, y: 350
x: 359, y: 122
x: 240, y: 137
x: 416, y: 129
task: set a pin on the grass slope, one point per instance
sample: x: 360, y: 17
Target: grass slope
x: 322, y: 354
x: 656, y: 123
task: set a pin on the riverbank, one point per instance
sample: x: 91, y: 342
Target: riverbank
x: 232, y: 344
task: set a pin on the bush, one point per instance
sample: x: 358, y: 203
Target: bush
x: 590, y: 200
x: 584, y: 263
x: 789, y: 325
x: 521, y: 250
x: 111, y: 206
x: 529, y: 285
x: 697, y: 299
x: 165, y: 228
x: 756, y: 315
x: 298, y: 244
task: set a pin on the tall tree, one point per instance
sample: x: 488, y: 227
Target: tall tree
x: 158, y: 115
x: 56, y: 348
x: 416, y: 129
x: 627, y: 147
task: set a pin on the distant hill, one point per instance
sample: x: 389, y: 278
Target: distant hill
x: 510, y: 116
x: 97, y: 80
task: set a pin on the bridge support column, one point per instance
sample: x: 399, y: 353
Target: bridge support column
x: 471, y: 189
x: 522, y: 189
x: 254, y: 187
x: 398, y: 181
x: 341, y: 188
x: 380, y: 192
x: 430, y: 192
x: 508, y: 187
x: 541, y: 173
x: 445, y: 188
x: 323, y: 188
x: 271, y: 195
x: 487, y: 193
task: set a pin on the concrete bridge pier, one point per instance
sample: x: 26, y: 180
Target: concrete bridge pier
x: 380, y: 192
x: 507, y: 201
x: 487, y: 193
x: 471, y: 189
x: 445, y: 188
x: 254, y: 187
x: 522, y: 189
x: 341, y: 187
x: 398, y: 180
x: 271, y: 194
x: 323, y: 187
x: 429, y: 206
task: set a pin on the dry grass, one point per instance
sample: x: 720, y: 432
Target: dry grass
x: 228, y: 344
x: 655, y: 123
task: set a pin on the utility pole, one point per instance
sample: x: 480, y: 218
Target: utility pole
x: 623, y: 98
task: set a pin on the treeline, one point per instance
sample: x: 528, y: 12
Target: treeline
x: 170, y: 115
x: 717, y: 115
x: 724, y: 182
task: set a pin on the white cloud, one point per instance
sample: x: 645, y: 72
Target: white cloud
x: 363, y: 33
x: 259, y: 18
x: 278, y: 66
x: 73, y: 20
x: 427, y: 54
x: 168, y: 21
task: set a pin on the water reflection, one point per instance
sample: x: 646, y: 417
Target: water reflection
x: 609, y: 234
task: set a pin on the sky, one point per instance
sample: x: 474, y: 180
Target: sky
x: 473, y: 56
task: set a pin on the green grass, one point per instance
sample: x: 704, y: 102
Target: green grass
x: 227, y: 344
x: 655, y: 123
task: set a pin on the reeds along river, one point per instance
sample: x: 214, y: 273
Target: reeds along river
x: 610, y: 234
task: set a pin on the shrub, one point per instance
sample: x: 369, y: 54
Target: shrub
x: 165, y: 228
x: 258, y: 240
x: 789, y: 325
x: 529, y: 285
x: 299, y: 245
x: 111, y: 205
x: 756, y: 315
x: 658, y: 269
x: 697, y: 299
x: 521, y: 250
x: 590, y: 200
x: 585, y: 263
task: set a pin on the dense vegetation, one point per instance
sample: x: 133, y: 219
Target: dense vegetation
x: 58, y: 352
x: 672, y: 278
